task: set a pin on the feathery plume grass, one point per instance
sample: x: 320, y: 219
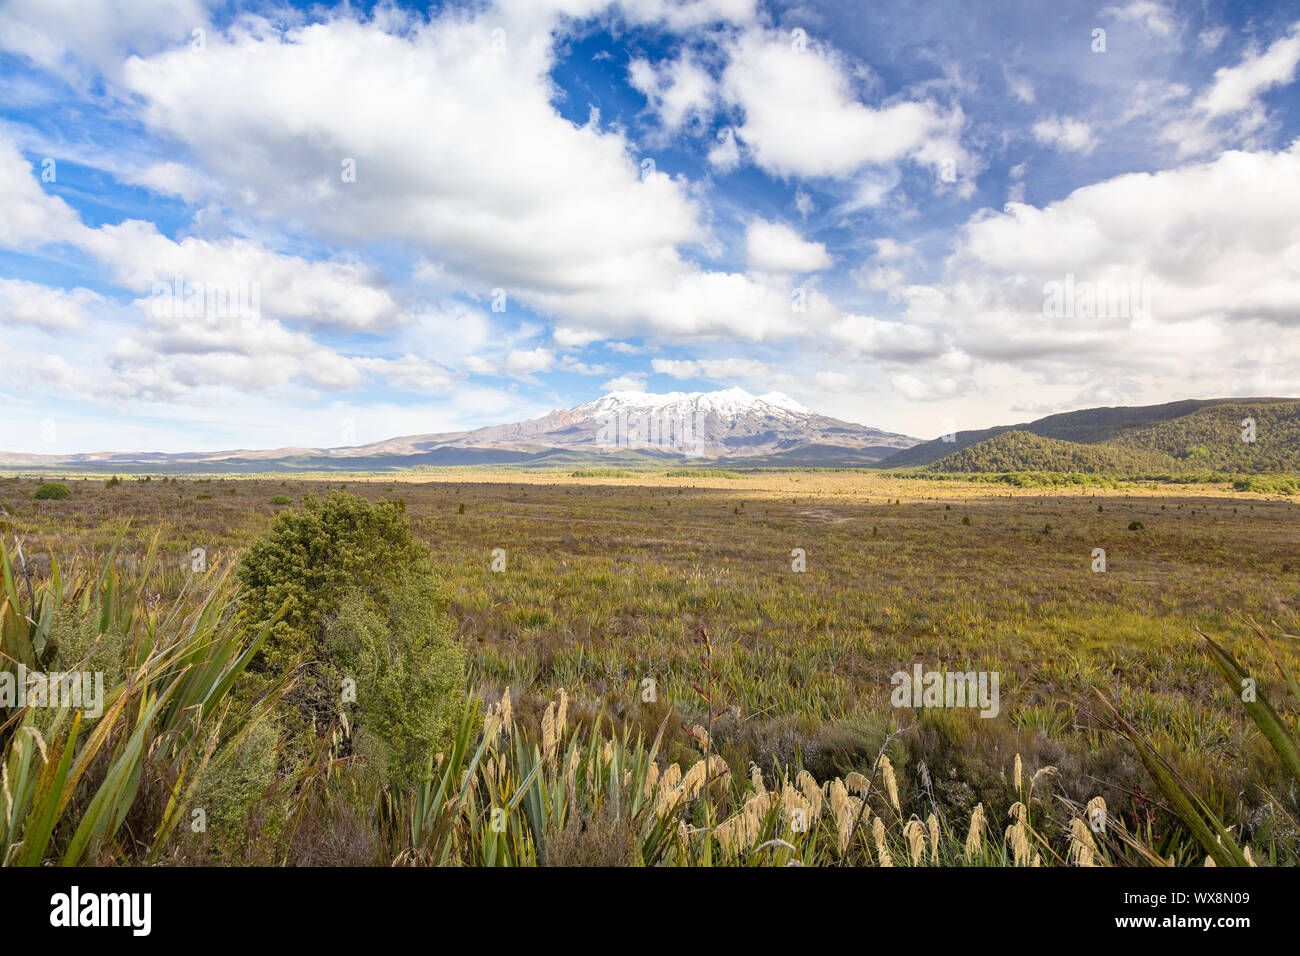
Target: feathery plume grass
x: 891, y: 784
x: 1083, y: 850
x: 845, y: 809
x: 975, y: 836
x: 550, y: 739
x: 882, y: 850
x: 914, y: 833
x: 811, y: 792
x: 1017, y: 835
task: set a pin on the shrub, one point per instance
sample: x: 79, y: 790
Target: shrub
x: 281, y: 500
x: 228, y: 787
x: 1135, y: 526
x: 113, y: 482
x: 52, y: 491
x: 702, y: 473
x: 409, y: 672
x: 360, y: 601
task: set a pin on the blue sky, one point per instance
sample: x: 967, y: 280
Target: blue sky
x: 916, y: 216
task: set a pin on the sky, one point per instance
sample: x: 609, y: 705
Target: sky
x: 249, y: 225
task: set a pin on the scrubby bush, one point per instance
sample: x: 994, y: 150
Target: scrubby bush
x: 361, y: 602
x: 52, y: 491
x: 281, y: 500
x: 398, y: 645
x: 229, y: 788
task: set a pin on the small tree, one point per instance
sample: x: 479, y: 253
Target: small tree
x: 361, y: 603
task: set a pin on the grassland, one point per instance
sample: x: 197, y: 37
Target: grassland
x: 608, y: 580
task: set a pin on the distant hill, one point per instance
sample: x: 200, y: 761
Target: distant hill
x: 1198, y: 435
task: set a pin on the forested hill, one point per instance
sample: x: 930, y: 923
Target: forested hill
x: 1024, y: 451
x: 1186, y: 436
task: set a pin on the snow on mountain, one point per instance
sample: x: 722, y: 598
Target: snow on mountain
x: 732, y: 402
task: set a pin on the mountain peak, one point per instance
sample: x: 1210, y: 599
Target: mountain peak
x: 724, y: 401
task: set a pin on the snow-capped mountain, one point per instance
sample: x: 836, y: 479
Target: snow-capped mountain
x: 730, y: 423
x: 726, y: 424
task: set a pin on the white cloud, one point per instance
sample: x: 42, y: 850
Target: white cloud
x: 802, y: 117
x: 1230, y: 110
x: 31, y: 216
x: 868, y: 336
x: 568, y: 338
x: 173, y: 179
x: 519, y: 198
x: 804, y: 202
x: 727, y: 368
x: 776, y: 247
x: 1237, y: 88
x: 624, y: 383
x: 725, y: 154
x: 44, y: 307
x: 1021, y: 88
x: 1065, y: 134
x: 1154, y: 16
x: 409, y: 372
x: 523, y: 363
x: 66, y: 36
x: 678, y: 91
x: 1205, y: 257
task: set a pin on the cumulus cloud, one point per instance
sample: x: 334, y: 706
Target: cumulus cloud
x: 31, y: 217
x: 519, y: 198
x: 624, y: 383
x: 678, y: 91
x: 1065, y: 134
x: 1157, y: 271
x: 802, y: 117
x: 1230, y: 109
x: 74, y: 39
x: 776, y: 247
x: 727, y: 368
x: 525, y: 362
x: 44, y: 307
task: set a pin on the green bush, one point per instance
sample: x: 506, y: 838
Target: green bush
x: 360, y: 602
x: 702, y: 473
x: 400, y: 648
x: 1267, y: 485
x: 52, y: 491
x: 281, y: 500
x: 228, y: 790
